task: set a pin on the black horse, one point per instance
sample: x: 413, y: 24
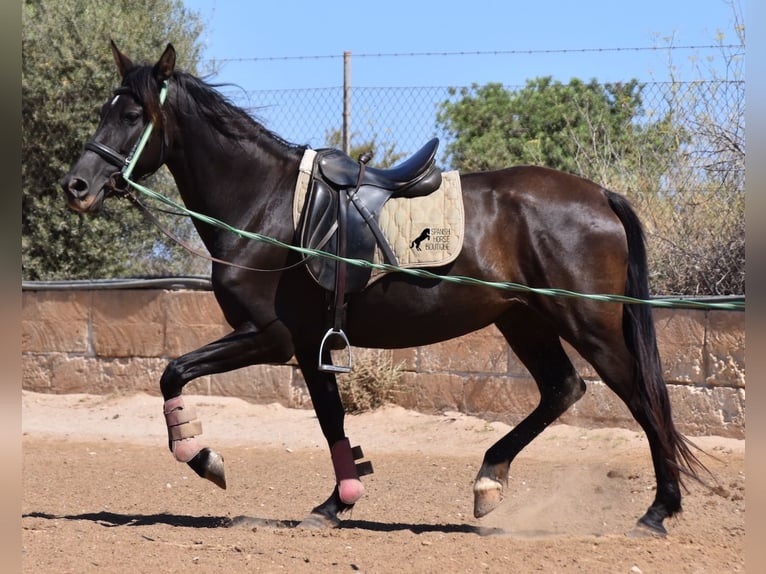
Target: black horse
x: 424, y: 235
x: 529, y: 225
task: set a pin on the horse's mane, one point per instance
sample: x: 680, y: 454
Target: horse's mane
x: 198, y: 97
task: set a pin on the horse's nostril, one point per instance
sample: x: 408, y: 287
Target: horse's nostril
x: 77, y: 187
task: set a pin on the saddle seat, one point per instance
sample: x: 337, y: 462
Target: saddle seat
x: 411, y: 178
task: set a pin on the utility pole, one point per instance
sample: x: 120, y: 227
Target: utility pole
x: 346, y: 133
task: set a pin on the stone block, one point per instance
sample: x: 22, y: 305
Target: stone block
x: 431, y: 392
x: 261, y: 384
x: 725, y: 349
x: 407, y: 358
x: 75, y: 374
x: 36, y: 373
x: 131, y: 375
x: 55, y: 321
x: 505, y: 399
x: 700, y: 411
x: 129, y: 323
x: 200, y: 386
x: 681, y: 339
x: 599, y: 407
x: 194, y: 319
x: 484, y: 351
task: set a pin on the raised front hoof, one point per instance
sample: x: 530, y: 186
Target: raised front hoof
x: 487, y: 495
x: 209, y: 464
x: 647, y: 527
x: 317, y: 521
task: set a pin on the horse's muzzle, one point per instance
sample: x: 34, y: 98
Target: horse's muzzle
x: 79, y: 196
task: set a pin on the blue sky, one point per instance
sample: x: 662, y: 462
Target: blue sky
x: 266, y: 48
x: 258, y: 29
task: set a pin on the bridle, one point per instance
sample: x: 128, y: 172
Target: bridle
x: 119, y: 182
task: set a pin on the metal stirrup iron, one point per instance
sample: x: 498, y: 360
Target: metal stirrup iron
x: 333, y: 333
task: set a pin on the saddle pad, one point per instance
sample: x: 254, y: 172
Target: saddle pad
x: 422, y: 231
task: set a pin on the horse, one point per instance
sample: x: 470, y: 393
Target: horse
x: 425, y: 234
x: 528, y: 224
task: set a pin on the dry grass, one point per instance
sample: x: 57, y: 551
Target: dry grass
x: 372, y: 383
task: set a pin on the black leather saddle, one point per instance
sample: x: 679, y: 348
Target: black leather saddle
x: 343, y: 206
x: 340, y: 217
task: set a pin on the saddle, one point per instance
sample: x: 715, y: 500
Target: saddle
x: 341, y: 215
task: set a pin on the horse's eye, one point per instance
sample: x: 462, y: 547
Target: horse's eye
x: 131, y: 117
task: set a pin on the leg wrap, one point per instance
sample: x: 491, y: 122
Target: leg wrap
x: 183, y: 427
x: 350, y: 488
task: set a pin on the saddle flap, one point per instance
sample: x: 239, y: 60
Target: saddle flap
x: 320, y: 229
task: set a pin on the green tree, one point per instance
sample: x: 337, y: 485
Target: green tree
x: 67, y: 73
x: 383, y: 155
x: 599, y: 131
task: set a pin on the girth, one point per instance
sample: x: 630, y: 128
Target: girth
x: 341, y: 215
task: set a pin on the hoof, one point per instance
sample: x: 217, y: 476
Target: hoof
x: 316, y: 521
x: 647, y: 528
x: 487, y: 495
x: 209, y: 464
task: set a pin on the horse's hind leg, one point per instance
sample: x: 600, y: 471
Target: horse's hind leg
x: 538, y: 346
x: 617, y: 368
x: 621, y: 346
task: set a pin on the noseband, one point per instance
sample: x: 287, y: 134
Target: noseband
x: 107, y: 154
x: 126, y: 164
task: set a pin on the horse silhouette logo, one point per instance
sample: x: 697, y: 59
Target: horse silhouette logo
x: 425, y: 234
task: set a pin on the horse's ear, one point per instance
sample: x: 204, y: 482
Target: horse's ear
x: 124, y: 64
x: 163, y: 69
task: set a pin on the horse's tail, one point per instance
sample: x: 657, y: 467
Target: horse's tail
x: 641, y: 339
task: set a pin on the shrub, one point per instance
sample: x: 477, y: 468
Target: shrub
x: 373, y: 382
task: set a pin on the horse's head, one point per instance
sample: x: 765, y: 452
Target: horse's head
x: 98, y: 171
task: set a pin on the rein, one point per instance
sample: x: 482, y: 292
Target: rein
x: 156, y: 222
x: 127, y: 164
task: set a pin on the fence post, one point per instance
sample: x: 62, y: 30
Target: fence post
x: 346, y: 135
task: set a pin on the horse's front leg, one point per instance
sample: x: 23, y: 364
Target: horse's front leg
x: 246, y: 345
x: 325, y: 397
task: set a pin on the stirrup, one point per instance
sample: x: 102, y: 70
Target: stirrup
x: 329, y: 367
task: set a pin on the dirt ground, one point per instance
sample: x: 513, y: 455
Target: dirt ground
x: 101, y: 493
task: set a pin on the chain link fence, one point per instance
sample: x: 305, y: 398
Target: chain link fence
x: 694, y: 217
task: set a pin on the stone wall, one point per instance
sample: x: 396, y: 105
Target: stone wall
x: 119, y: 341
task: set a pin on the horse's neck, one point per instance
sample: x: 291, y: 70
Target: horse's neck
x: 248, y: 185
x: 230, y: 180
